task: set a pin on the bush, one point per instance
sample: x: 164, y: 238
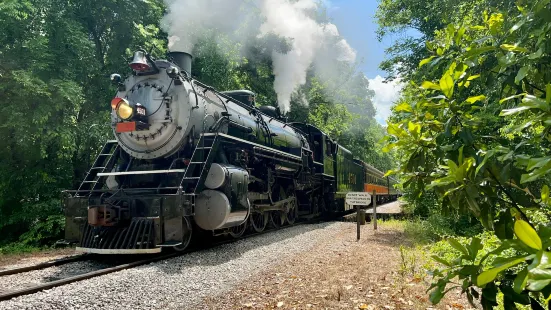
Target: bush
x: 44, y: 233
x: 437, y: 227
x: 35, y: 225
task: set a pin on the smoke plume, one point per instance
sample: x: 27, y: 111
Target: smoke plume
x: 311, y: 42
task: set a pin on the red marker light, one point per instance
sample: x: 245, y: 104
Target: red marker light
x: 115, y: 102
x: 138, y: 66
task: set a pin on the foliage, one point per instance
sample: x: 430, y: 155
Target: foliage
x: 56, y: 59
x: 417, y: 21
x: 473, y: 127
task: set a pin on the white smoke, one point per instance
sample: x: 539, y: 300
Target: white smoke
x: 186, y: 20
x: 310, y: 41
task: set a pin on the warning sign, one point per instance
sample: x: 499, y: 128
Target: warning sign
x: 358, y: 198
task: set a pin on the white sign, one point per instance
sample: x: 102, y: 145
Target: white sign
x: 358, y: 198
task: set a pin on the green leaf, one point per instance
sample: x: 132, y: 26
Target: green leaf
x: 527, y: 234
x: 403, y: 107
x: 474, y: 247
x: 504, y: 226
x: 545, y: 194
x: 458, y: 246
x: 436, y: 295
x: 477, y: 51
x: 511, y: 97
x: 517, y: 25
x: 446, y: 85
x: 513, y: 48
x: 522, y: 72
x: 441, y: 260
x: 395, y: 130
x: 387, y: 148
x: 537, y: 285
x: 540, y: 274
x: 489, y: 275
x: 473, y: 77
x: 414, y: 129
x: 425, y: 61
x: 513, y: 111
x: 535, y: 102
x: 536, y: 55
x: 474, y: 99
x: 520, y: 281
x: 441, y: 182
x: 530, y: 177
x: 430, y: 85
x: 548, y: 93
x: 489, y: 297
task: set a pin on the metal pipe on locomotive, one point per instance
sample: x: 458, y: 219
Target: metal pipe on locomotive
x: 187, y: 157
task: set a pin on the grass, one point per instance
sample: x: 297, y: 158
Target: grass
x: 18, y: 248
x: 14, y: 252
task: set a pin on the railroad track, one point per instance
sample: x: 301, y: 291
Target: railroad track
x: 104, y: 271
x: 57, y: 262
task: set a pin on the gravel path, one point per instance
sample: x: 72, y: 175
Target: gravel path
x: 182, y: 282
x: 388, y: 208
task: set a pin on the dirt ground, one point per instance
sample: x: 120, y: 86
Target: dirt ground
x: 341, y: 273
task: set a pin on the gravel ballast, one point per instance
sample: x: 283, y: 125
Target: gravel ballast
x: 182, y: 282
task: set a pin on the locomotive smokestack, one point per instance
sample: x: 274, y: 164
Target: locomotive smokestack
x: 182, y: 59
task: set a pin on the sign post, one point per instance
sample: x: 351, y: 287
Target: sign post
x: 358, y: 223
x: 375, y: 210
x: 358, y: 199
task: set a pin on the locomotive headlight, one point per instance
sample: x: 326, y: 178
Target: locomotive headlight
x: 124, y: 110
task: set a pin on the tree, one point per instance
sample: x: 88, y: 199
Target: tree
x: 476, y: 132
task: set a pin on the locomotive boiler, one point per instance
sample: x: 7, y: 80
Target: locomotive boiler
x: 186, y: 157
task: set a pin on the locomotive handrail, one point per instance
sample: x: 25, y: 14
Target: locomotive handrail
x: 97, y: 191
x: 266, y: 148
x: 141, y: 172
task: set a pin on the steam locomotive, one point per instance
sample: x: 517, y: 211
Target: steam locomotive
x: 187, y: 157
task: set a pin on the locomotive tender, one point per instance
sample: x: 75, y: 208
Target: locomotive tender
x: 187, y: 157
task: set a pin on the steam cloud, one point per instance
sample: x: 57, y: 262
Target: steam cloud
x: 289, y: 19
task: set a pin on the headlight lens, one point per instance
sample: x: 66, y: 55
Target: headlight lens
x: 124, y: 110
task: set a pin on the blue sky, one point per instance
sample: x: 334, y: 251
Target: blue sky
x: 355, y: 20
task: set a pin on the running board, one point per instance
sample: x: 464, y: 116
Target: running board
x: 142, y: 172
x: 118, y: 251
x: 170, y: 244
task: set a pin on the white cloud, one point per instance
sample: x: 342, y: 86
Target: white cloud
x: 385, y: 95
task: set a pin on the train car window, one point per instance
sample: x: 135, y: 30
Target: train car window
x: 327, y: 147
x: 318, y: 148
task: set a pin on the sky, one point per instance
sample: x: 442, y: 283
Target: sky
x: 355, y: 20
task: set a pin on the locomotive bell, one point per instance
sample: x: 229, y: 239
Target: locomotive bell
x: 139, y: 62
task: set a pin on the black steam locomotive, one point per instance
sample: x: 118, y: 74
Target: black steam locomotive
x: 187, y: 157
